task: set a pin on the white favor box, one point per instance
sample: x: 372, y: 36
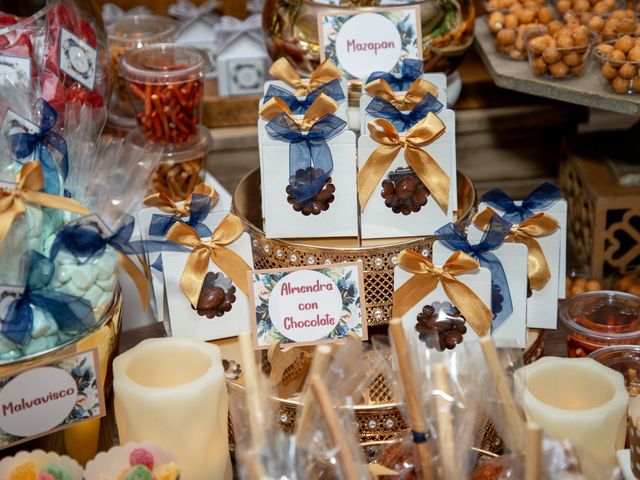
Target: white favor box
x: 379, y: 221
x: 512, y: 332
x: 479, y: 281
x: 542, y: 306
x: 281, y: 220
x: 185, y: 322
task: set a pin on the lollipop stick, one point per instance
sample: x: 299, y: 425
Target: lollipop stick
x: 323, y: 399
x: 319, y: 367
x: 445, y: 425
x: 534, y: 452
x: 407, y: 376
x: 511, y: 412
x: 252, y: 385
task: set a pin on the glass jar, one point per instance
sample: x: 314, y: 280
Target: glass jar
x: 594, y: 320
x: 624, y: 359
x: 135, y: 31
x: 165, y: 83
x: 181, y: 168
x: 292, y: 30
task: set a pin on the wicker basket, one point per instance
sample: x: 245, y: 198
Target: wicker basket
x: 378, y: 256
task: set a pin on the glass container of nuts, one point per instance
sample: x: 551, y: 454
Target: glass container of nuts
x: 512, y: 27
x: 165, y: 83
x: 614, y: 25
x: 624, y: 359
x: 135, y: 31
x: 560, y: 53
x: 594, y: 320
x: 620, y: 64
x: 182, y: 166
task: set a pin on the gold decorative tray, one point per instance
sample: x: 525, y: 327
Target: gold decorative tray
x: 378, y: 256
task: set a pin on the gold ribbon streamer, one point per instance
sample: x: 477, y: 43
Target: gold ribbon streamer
x: 526, y: 232
x: 29, y: 181
x: 413, y: 96
x: 324, y: 73
x: 321, y: 106
x: 164, y: 203
x: 214, y: 250
x: 140, y: 278
x: 426, y: 278
x: 423, y: 164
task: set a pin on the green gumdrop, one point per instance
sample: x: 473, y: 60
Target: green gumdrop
x: 139, y: 472
x: 58, y: 472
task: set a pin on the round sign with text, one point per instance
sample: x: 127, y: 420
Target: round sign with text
x: 305, y: 306
x: 367, y: 43
x: 36, y: 401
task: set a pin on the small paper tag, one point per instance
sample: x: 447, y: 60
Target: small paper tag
x: 246, y: 76
x: 17, y: 69
x: 50, y: 397
x: 307, y: 305
x: 361, y: 43
x: 78, y: 58
x: 8, y: 294
x: 14, y: 123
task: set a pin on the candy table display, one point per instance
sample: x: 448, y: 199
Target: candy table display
x: 582, y: 401
x: 171, y: 391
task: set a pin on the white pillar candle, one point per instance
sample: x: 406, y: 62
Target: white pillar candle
x: 171, y: 392
x: 579, y: 400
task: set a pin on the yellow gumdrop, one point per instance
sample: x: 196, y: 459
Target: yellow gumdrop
x: 168, y: 471
x: 26, y: 471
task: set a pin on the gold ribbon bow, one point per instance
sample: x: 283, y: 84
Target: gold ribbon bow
x: 214, y: 250
x: 423, y: 164
x: 526, y: 232
x: 29, y: 181
x: 321, y: 106
x: 426, y: 278
x: 164, y: 203
x: 413, y: 96
x: 324, y: 73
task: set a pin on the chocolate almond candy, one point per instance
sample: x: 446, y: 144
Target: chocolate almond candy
x: 216, y: 296
x: 441, y: 326
x: 404, y: 192
x: 317, y: 204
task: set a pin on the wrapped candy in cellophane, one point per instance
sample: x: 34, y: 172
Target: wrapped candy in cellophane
x: 59, y: 260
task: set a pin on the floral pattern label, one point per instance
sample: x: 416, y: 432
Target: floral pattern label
x: 78, y: 59
x: 360, y: 43
x: 18, y: 69
x: 50, y: 397
x: 308, y: 305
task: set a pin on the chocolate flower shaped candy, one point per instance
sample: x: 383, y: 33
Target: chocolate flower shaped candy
x: 216, y: 297
x: 404, y: 192
x: 441, y: 326
x: 319, y: 202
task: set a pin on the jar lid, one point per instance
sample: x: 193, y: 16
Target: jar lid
x: 141, y: 27
x: 198, y: 145
x: 164, y: 63
x: 605, y: 315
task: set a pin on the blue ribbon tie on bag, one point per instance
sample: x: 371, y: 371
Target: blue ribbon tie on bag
x: 72, y: 314
x: 493, y: 237
x: 42, y: 143
x: 298, y: 106
x: 410, y: 71
x: 381, y: 108
x: 539, y: 199
x: 308, y: 152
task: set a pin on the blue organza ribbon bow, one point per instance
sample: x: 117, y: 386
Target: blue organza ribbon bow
x: 539, y: 199
x: 71, y: 313
x: 381, y: 108
x: 198, y: 211
x: 410, y: 71
x: 24, y: 144
x: 493, y: 237
x: 86, y: 239
x: 310, y: 160
x: 298, y: 106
